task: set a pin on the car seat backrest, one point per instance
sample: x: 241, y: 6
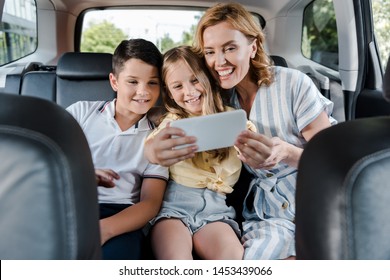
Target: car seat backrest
x: 13, y: 76
x: 83, y: 76
x: 342, y: 203
x: 40, y: 84
x: 48, y: 192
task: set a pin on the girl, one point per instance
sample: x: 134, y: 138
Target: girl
x: 194, y: 215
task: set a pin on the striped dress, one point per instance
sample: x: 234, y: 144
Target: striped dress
x: 283, y: 109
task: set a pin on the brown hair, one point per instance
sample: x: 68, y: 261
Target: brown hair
x: 139, y: 49
x: 238, y: 17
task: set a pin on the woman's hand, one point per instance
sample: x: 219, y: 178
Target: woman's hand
x: 163, y: 148
x: 262, y: 152
x: 105, y: 177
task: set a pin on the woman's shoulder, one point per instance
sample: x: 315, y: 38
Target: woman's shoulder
x: 283, y: 74
x: 278, y: 70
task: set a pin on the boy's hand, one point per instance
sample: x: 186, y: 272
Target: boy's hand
x: 105, y: 177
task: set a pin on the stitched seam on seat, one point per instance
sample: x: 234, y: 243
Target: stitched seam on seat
x: 349, y: 182
x: 66, y: 191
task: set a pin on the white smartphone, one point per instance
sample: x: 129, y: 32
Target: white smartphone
x: 213, y: 131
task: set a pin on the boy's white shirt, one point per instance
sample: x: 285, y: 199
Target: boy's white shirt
x: 121, y: 151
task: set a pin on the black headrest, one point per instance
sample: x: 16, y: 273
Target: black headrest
x: 85, y: 66
x: 279, y: 61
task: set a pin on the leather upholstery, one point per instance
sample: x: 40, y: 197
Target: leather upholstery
x: 41, y: 84
x: 83, y: 76
x: 279, y: 60
x: 343, y: 190
x: 48, y: 194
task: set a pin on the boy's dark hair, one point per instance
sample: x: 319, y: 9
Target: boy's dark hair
x: 139, y: 49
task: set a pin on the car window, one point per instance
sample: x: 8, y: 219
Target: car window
x: 102, y: 30
x: 381, y: 15
x: 18, y: 33
x: 319, y: 34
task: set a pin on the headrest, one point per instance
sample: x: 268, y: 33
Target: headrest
x: 84, y: 66
x: 279, y: 61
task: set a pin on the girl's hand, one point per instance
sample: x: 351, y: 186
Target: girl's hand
x: 163, y: 148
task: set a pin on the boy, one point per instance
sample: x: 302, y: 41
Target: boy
x: 116, y: 131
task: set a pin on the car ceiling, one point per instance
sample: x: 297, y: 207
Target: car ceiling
x: 268, y: 9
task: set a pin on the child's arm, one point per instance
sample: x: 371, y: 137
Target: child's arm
x: 160, y: 149
x: 136, y: 216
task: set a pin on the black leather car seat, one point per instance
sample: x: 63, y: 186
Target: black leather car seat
x: 83, y: 76
x: 48, y: 193
x: 343, y: 192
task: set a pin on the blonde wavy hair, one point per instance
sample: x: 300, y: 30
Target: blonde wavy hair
x: 240, y: 19
x: 212, y: 102
x: 212, y: 99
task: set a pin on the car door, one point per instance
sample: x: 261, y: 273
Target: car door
x: 364, y: 66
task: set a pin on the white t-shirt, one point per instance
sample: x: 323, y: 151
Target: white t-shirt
x: 121, y: 151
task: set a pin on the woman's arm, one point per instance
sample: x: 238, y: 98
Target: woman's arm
x: 136, y: 216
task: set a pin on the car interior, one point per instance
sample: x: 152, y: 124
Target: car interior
x: 48, y: 176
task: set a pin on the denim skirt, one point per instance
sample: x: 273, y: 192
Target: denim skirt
x: 196, y: 207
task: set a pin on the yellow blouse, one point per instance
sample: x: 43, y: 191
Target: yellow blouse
x: 204, y: 170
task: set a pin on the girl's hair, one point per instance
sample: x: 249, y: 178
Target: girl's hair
x: 139, y: 49
x: 240, y: 19
x: 212, y: 99
x: 212, y: 102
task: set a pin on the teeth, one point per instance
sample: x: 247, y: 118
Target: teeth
x: 192, y: 100
x: 225, y: 73
x: 141, y: 100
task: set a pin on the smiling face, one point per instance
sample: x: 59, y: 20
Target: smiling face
x: 228, y: 52
x: 185, y: 88
x: 137, y: 86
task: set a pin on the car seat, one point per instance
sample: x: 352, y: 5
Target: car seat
x: 83, y: 76
x: 48, y: 192
x: 343, y: 192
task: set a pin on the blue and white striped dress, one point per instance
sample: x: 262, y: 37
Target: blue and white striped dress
x: 283, y: 109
